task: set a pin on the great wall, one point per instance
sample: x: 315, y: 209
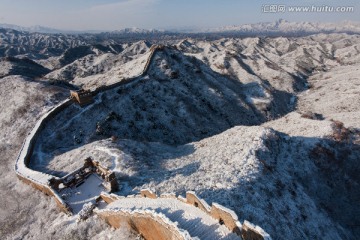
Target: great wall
x: 151, y: 216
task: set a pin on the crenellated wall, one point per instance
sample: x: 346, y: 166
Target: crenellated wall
x: 49, y: 192
x: 225, y: 216
x: 34, y: 178
x: 152, y: 50
x: 79, y: 176
x: 250, y: 231
x: 149, y: 223
x: 42, y: 181
x: 148, y: 194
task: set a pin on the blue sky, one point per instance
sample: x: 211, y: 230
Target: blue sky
x: 162, y: 14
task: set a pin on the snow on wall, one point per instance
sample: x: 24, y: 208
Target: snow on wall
x: 41, y: 180
x: 224, y: 215
x: 193, y: 199
x: 150, y: 224
x: 153, y: 49
x: 228, y: 218
x: 148, y: 193
x: 37, y: 179
x: 250, y: 231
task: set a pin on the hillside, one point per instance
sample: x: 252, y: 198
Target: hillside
x: 25, y: 212
x: 268, y: 127
x: 17, y: 66
x: 283, y: 26
x: 207, y: 103
x: 98, y: 65
x: 35, y: 45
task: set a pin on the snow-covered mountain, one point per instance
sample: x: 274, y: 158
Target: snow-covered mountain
x: 284, y: 26
x: 28, y: 42
x: 36, y: 45
x: 21, y: 66
x: 36, y: 28
x: 43, y: 29
x: 279, y: 26
x: 135, y: 30
x: 267, y: 126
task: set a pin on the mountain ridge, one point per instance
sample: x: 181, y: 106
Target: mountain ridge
x: 285, y: 26
x: 278, y: 26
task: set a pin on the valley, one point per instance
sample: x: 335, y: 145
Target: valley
x: 267, y: 127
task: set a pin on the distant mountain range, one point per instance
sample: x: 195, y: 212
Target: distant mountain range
x: 37, y: 28
x: 291, y: 27
x: 135, y: 30
x: 279, y: 26
x: 42, y: 29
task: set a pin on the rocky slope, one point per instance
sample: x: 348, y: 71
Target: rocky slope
x: 266, y: 176
x: 178, y: 92
x: 283, y: 26
x: 93, y: 66
x: 36, y: 45
x: 25, y: 213
x: 335, y: 94
x: 177, y: 130
x: 21, y: 66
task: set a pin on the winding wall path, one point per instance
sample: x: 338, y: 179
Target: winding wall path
x: 191, y: 213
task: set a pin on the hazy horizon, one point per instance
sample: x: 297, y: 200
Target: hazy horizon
x: 108, y: 15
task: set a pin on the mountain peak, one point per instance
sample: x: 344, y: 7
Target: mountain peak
x: 284, y: 26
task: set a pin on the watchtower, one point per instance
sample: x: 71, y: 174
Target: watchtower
x: 82, y: 97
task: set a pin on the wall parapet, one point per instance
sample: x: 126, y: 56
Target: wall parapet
x: 223, y: 215
x: 42, y: 181
x: 250, y: 231
x: 78, y: 176
x: 152, y: 50
x: 150, y: 224
x: 228, y: 217
x: 48, y: 184
x: 34, y: 178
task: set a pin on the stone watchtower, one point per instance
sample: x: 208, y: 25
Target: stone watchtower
x: 82, y: 97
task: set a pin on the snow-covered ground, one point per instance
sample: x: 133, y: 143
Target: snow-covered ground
x: 86, y: 193
x: 99, y: 68
x: 26, y: 213
x: 261, y: 174
x: 335, y: 95
x: 193, y: 220
x: 177, y: 131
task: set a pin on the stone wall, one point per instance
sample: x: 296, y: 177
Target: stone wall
x: 148, y: 193
x: 106, y: 174
x: 151, y: 225
x: 109, y: 198
x: 79, y: 175
x: 193, y: 199
x: 252, y: 232
x: 41, y: 180
x: 49, y: 192
x: 82, y: 97
x: 153, y: 49
x: 37, y: 179
x: 225, y: 216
